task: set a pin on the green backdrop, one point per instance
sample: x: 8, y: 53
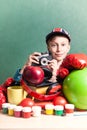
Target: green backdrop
x: 25, y: 23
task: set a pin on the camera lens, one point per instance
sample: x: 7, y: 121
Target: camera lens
x: 44, y: 61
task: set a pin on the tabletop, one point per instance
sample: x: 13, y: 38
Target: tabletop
x: 43, y: 122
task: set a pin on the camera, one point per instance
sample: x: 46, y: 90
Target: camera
x: 44, y: 59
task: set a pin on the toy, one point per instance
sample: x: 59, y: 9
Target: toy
x: 71, y: 62
x: 2, y: 99
x: 36, y: 76
x: 75, y: 88
x: 3, y: 90
x: 36, y: 95
x: 59, y: 100
x: 33, y: 75
x: 27, y: 102
x: 7, y: 83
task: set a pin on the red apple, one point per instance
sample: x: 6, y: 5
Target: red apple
x: 33, y: 74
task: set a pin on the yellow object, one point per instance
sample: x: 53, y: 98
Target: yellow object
x: 15, y: 94
x: 11, y: 110
x: 49, y: 109
x: 40, y: 90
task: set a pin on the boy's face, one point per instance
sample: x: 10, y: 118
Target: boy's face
x: 59, y: 46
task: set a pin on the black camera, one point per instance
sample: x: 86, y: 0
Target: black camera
x: 44, y: 59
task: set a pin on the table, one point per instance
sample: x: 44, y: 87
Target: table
x: 45, y: 122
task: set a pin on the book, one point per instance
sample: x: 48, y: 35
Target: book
x: 40, y: 90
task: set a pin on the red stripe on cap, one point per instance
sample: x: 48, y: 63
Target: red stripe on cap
x: 57, y: 30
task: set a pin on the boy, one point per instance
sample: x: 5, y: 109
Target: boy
x: 58, y: 45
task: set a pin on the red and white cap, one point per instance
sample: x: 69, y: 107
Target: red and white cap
x: 58, y: 32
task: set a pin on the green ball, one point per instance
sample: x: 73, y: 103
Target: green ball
x: 75, y: 88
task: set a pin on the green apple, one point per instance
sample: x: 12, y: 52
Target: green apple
x: 75, y: 88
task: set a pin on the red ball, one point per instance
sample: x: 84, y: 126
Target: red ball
x: 33, y: 74
x: 27, y: 102
x: 59, y: 100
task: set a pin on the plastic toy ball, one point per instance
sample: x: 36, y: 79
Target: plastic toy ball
x: 34, y: 75
x: 75, y: 88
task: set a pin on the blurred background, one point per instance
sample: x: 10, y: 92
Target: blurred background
x: 25, y: 23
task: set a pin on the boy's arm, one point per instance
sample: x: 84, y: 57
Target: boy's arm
x: 17, y: 76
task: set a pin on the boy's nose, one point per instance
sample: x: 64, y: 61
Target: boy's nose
x: 58, y: 48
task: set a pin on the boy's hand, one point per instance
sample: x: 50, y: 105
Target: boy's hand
x: 53, y: 67
x: 33, y: 58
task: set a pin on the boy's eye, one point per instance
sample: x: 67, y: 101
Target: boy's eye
x: 63, y: 44
x: 53, y: 45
